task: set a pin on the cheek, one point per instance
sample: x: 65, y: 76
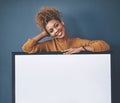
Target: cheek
x: 62, y: 26
x: 51, y: 34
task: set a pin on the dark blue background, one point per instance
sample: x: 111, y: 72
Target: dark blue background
x: 89, y: 19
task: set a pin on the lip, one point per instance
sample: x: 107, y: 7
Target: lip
x: 59, y: 33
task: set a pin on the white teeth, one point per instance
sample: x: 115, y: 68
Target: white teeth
x: 59, y: 33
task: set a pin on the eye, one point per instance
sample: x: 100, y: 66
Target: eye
x: 56, y: 25
x: 51, y: 30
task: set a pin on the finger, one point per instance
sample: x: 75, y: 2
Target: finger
x: 73, y: 52
x: 67, y: 53
x: 67, y: 50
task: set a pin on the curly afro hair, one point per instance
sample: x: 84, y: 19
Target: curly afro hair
x: 45, y: 15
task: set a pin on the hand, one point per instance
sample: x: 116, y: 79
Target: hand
x: 73, y: 50
x: 44, y: 33
x: 40, y: 36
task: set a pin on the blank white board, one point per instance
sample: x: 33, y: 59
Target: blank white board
x: 78, y: 78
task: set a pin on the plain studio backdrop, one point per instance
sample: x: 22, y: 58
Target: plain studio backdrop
x: 89, y: 19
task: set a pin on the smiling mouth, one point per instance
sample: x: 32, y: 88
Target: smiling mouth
x: 59, y: 33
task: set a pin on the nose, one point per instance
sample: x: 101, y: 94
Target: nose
x: 55, y: 31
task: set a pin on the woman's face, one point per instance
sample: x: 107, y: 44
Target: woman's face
x: 56, y: 29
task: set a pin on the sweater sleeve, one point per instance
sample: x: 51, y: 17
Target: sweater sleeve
x: 31, y: 46
x: 97, y: 45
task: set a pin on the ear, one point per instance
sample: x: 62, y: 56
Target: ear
x: 62, y: 22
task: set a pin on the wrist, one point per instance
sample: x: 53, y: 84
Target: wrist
x: 88, y: 48
x: 40, y: 36
x: 82, y: 48
x: 85, y: 48
x: 44, y: 34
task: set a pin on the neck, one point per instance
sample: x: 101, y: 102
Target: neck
x: 64, y: 39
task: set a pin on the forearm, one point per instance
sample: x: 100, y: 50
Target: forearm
x: 99, y: 46
x: 94, y: 45
x: 31, y: 45
x: 88, y: 48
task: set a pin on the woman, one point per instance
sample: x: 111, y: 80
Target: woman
x: 49, y: 21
